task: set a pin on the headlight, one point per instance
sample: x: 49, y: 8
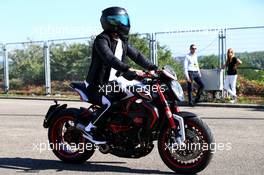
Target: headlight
x: 177, y: 90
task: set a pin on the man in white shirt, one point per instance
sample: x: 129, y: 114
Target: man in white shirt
x: 192, y: 72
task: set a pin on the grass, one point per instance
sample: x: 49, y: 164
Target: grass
x: 251, y: 100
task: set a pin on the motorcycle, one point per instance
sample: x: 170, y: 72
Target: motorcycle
x: 145, y: 112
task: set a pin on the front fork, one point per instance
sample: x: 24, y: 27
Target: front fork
x: 180, y: 136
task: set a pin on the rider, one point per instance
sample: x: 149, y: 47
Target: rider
x: 109, y: 51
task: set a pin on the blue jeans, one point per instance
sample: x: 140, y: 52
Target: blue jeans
x: 194, y: 75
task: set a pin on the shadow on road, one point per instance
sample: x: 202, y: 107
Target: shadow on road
x: 28, y: 165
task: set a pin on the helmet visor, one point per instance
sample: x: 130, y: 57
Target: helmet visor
x: 118, y: 19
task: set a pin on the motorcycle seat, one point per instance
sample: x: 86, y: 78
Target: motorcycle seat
x: 81, y: 89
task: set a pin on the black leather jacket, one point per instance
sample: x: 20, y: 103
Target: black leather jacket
x: 103, y: 59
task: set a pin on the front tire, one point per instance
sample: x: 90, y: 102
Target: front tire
x: 66, y: 142
x: 195, y: 156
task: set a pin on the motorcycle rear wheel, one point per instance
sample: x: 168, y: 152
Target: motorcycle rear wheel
x: 66, y: 142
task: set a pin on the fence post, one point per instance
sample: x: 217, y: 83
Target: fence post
x: 47, y: 68
x: 222, y: 38
x: 6, y: 69
x: 222, y: 48
x: 153, y: 48
x: 150, y: 46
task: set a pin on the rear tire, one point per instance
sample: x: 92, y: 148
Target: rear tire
x: 66, y: 142
x: 189, y: 160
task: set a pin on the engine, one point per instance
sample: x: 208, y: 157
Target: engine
x: 125, y: 131
x: 129, y: 125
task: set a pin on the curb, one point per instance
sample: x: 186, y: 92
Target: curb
x: 229, y: 105
x: 40, y: 98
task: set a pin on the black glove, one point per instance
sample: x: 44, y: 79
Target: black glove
x: 118, y: 73
x: 152, y: 67
x: 130, y: 75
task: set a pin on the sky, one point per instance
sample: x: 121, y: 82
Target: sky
x: 50, y: 19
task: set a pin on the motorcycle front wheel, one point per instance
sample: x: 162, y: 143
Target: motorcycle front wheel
x: 192, y: 157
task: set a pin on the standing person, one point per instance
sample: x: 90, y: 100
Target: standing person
x: 110, y: 49
x: 230, y: 81
x: 192, y: 72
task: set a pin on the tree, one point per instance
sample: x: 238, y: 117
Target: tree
x: 253, y: 65
x: 252, y: 59
x: 27, y: 64
x: 142, y: 45
x: 165, y: 58
x: 1, y: 72
x: 164, y: 55
x: 70, y: 62
x: 209, y: 62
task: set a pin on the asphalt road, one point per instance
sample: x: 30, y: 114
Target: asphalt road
x: 238, y: 133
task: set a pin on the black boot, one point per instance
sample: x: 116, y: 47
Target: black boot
x: 90, y: 132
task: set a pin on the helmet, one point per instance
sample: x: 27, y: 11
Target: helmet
x: 115, y: 19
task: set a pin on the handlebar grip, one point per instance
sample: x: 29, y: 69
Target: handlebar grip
x: 129, y: 75
x: 118, y: 73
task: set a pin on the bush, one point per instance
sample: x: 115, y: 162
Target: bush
x: 249, y: 87
x: 60, y: 86
x: 16, y: 84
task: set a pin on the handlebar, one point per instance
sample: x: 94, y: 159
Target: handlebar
x: 131, y: 75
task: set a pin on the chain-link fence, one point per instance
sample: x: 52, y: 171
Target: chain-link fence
x: 179, y: 41
x: 208, y: 41
x: 245, y: 39
x: 247, y: 42
x: 1, y: 66
x: 23, y: 68
x: 36, y: 67
x: 69, y: 61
